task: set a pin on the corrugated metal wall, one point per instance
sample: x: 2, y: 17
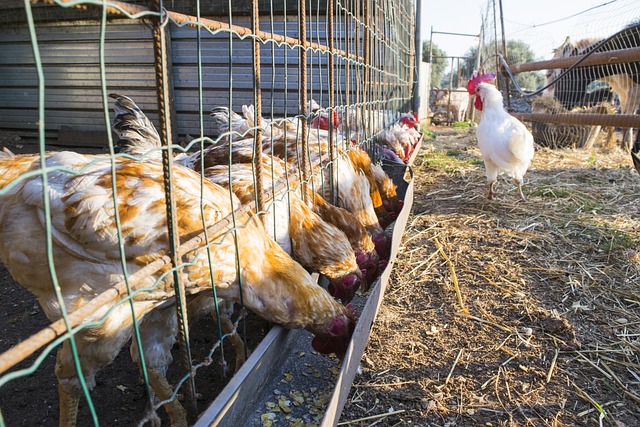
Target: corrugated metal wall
x: 70, y: 56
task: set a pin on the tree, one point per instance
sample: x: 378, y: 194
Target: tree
x: 470, y: 62
x: 518, y: 52
x: 437, y: 65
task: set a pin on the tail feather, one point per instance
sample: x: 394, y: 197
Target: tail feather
x: 136, y: 133
x: 636, y: 161
x: 6, y: 153
x: 220, y: 120
x: 223, y: 121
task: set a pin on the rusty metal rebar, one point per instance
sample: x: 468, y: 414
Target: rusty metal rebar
x: 162, y: 90
x: 304, y: 143
x: 257, y: 105
x: 333, y: 150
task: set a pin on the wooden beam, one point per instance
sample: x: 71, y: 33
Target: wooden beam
x: 618, y: 120
x: 610, y: 57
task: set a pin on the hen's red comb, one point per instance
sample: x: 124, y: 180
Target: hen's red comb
x: 478, y: 78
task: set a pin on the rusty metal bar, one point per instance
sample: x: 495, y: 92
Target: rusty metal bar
x: 117, y: 6
x: 495, y: 45
x: 302, y: 63
x: 162, y: 81
x: 617, y: 120
x: 332, y: 103
x: 504, y: 53
x: 449, y: 57
x: 358, y: 70
x: 366, y: 36
x: 455, y: 34
x: 603, y: 58
x: 347, y: 67
x: 257, y: 105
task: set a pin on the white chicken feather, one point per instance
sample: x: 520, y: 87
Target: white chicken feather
x: 505, y: 143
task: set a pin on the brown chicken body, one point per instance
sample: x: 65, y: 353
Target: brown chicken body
x: 86, y: 254
x: 315, y: 243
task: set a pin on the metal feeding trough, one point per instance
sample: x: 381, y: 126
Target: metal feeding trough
x: 283, y: 379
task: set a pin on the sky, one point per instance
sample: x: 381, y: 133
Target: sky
x: 528, y: 20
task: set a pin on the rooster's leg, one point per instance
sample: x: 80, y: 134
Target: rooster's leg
x: 518, y: 183
x: 69, y: 388
x: 157, y: 354
x: 492, y: 177
x: 492, y: 193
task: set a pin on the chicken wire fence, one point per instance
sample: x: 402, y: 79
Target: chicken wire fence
x: 150, y: 233
x: 570, y: 88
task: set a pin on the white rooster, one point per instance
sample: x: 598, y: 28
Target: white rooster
x: 505, y: 143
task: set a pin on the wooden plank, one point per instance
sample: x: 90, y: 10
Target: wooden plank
x: 88, y: 52
x: 68, y: 137
x: 618, y: 120
x: 82, y: 30
x: 80, y: 76
x: 70, y: 99
x: 610, y: 57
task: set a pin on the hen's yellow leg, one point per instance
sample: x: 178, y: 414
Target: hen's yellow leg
x: 164, y: 391
x: 229, y: 329
x: 69, y: 399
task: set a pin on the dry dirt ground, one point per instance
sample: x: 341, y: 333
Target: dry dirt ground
x: 509, y: 313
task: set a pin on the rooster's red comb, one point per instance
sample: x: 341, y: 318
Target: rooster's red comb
x: 478, y: 78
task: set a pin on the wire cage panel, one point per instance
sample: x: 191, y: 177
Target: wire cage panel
x: 162, y: 231
x: 589, y: 78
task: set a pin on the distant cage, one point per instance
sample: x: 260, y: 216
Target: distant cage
x: 593, y: 77
x: 359, y: 61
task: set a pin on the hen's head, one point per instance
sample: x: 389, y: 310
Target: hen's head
x: 407, y: 153
x: 321, y: 121
x: 410, y: 120
x: 393, y: 206
x: 383, y: 245
x: 345, y: 288
x: 369, y: 265
x: 473, y: 86
x: 336, y: 337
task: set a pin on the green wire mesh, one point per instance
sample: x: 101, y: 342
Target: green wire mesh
x: 359, y: 60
